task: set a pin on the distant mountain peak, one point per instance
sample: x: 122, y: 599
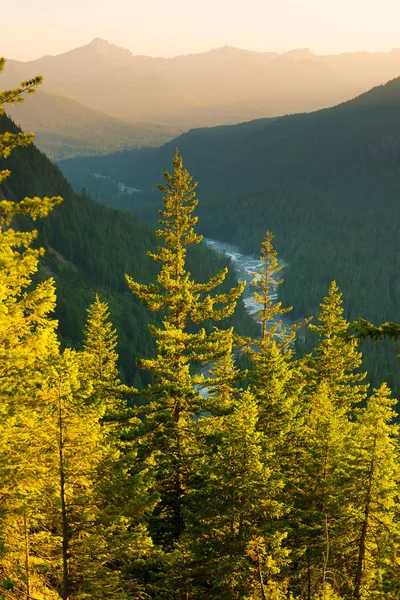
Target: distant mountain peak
x: 227, y: 50
x: 300, y: 53
x: 101, y: 47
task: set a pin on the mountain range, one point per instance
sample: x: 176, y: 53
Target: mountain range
x: 165, y: 96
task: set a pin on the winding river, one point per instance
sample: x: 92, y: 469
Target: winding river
x: 245, y: 266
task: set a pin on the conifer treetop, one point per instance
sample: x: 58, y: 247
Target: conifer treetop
x: 265, y: 282
x: 26, y: 331
x: 173, y: 397
x: 175, y: 292
x: 101, y: 341
x: 336, y: 358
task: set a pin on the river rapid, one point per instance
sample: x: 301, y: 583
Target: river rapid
x: 245, y: 266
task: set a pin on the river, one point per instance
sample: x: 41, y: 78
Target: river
x: 244, y: 265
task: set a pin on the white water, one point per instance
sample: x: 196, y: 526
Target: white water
x: 122, y: 188
x: 245, y: 267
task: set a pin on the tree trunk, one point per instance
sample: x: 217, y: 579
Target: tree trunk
x: 264, y: 320
x: 363, y: 538
x: 178, y: 522
x: 27, y: 570
x: 261, y: 579
x: 64, y: 516
x: 326, y: 554
x: 308, y: 575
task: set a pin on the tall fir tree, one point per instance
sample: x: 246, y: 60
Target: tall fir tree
x: 274, y: 378
x: 336, y: 359
x: 124, y: 494
x: 233, y: 547
x: 266, y: 282
x: 318, y: 500
x: 76, y: 446
x: 333, y: 388
x: 27, y: 342
x: 172, y: 399
x: 101, y: 363
x: 372, y: 482
x: 100, y: 342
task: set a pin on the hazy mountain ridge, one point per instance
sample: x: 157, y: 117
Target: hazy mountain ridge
x: 225, y: 85
x: 65, y: 128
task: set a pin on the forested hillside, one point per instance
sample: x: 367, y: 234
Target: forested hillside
x: 89, y: 248
x: 327, y: 183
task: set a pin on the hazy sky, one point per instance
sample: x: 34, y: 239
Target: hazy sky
x: 32, y: 28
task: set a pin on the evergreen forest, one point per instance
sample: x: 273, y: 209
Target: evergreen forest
x: 225, y: 464
x: 326, y: 183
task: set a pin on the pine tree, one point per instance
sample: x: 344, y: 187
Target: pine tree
x: 233, y: 544
x: 276, y: 382
x: 72, y: 432
x: 333, y: 388
x: 24, y: 484
x: 266, y: 282
x: 318, y: 498
x: 26, y: 332
x: 101, y: 364
x: 100, y: 342
x: 123, y: 485
x: 224, y: 380
x: 274, y: 377
x: 335, y: 359
x: 27, y: 342
x: 373, y: 476
x: 172, y: 399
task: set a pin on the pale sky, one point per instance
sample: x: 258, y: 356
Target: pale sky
x: 33, y: 28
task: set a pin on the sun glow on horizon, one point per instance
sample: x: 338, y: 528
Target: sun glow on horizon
x: 157, y: 28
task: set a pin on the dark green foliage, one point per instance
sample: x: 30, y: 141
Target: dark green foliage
x: 366, y: 330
